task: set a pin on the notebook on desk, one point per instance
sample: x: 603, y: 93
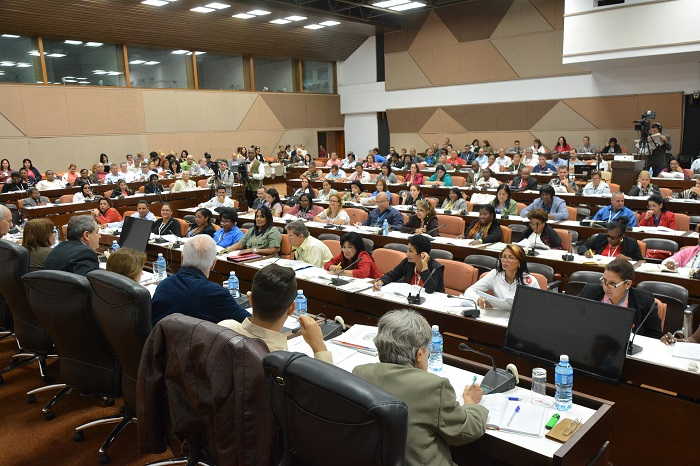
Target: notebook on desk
x: 529, y: 419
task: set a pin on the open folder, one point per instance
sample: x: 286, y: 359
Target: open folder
x: 529, y: 419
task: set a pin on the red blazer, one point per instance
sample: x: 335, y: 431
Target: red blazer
x: 365, y: 267
x: 418, y: 179
x: 668, y: 220
x: 112, y: 215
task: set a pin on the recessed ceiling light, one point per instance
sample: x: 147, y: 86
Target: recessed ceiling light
x: 83, y: 82
x: 243, y: 16
x: 390, y: 3
x: 56, y: 55
x: 80, y: 78
x: 280, y: 21
x: 407, y: 6
x: 201, y: 9
x: 114, y: 73
x: 24, y: 65
x: 69, y: 80
x: 137, y: 62
x: 99, y: 72
x: 200, y: 53
x: 7, y: 63
x: 93, y: 44
x: 258, y: 12
x: 218, y: 5
x: 73, y: 42
x: 296, y: 18
x: 330, y: 23
x: 313, y: 26
x: 180, y: 52
x: 152, y: 62
x: 154, y: 2
x: 34, y: 53
x: 10, y: 36
x: 69, y: 77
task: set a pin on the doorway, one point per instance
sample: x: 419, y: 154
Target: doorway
x: 332, y: 141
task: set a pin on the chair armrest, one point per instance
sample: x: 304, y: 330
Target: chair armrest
x: 554, y: 285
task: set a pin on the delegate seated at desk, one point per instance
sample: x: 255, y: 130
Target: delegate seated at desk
x: 190, y: 292
x: 686, y: 257
x: 658, y: 214
x: 35, y: 199
x: 418, y: 268
x: 382, y: 212
x: 523, y: 181
x: 539, y: 235
x: 616, y: 288
x: 436, y: 420
x: 353, y: 259
x: 272, y: 295
x: 613, y: 243
x: 264, y: 238
x: 305, y: 247
x: 229, y: 233
x: 166, y: 224
x: 503, y: 281
x: 423, y: 221
x: 143, y: 212
x: 616, y: 211
x: 77, y: 255
x: 553, y: 205
x: 485, y: 229
x: 596, y: 187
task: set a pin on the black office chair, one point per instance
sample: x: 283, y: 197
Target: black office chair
x: 481, y: 262
x: 369, y: 244
x: 61, y: 302
x: 322, y: 409
x: 5, y: 320
x: 518, y: 230
x: 676, y: 299
x: 122, y: 309
x: 331, y: 236
x: 441, y: 254
x: 661, y: 243
x: 579, y: 279
x: 396, y: 246
x: 694, y: 221
x: 546, y: 271
x: 33, y: 340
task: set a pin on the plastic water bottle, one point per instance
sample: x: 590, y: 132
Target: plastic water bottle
x: 233, y: 285
x: 55, y: 236
x: 385, y: 227
x: 300, y: 304
x: 564, y: 384
x: 435, y: 358
x: 115, y: 246
x: 160, y: 267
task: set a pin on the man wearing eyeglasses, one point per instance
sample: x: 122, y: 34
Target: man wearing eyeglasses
x: 613, y: 243
x: 616, y: 288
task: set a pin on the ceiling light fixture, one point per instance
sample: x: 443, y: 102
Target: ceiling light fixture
x: 390, y: 3
x: 73, y: 42
x: 10, y: 36
x: 243, y: 16
x: 202, y: 9
x: 407, y: 6
x: 83, y: 82
x: 329, y: 23
x: 99, y: 72
x: 34, y: 53
x: 69, y: 80
x: 218, y: 5
x: 200, y: 53
x: 258, y: 12
x: 154, y: 2
x: 296, y: 18
x: 93, y: 44
x: 114, y: 73
x: 313, y: 26
x: 151, y: 63
x: 7, y: 63
x: 280, y: 21
x: 137, y: 62
x: 180, y: 52
x: 24, y: 65
x: 56, y: 55
x: 80, y: 78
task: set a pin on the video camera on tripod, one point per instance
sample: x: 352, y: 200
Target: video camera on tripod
x: 644, y: 124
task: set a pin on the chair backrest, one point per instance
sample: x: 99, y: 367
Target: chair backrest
x: 572, y: 212
x: 128, y: 213
x: 458, y: 276
x: 517, y: 231
x: 661, y: 243
x: 661, y: 310
x: 141, y: 189
x: 32, y: 337
x: 285, y: 247
x: 332, y: 236
x: 333, y: 245
x: 405, y: 218
x: 642, y: 247
x: 184, y: 226
x: 458, y: 181
x: 62, y: 303
x: 20, y: 204
x: 356, y: 215
x: 614, y: 187
x: 387, y: 259
x: 666, y: 193
x: 202, y: 183
x: 481, y: 262
x: 682, y: 222
x: 321, y: 408
x: 441, y: 254
x: 65, y: 198
x: 507, y: 233
x: 396, y: 246
x: 434, y: 201
x: 108, y: 193
x: 122, y: 309
x: 565, y: 237
x: 450, y: 226
x: 369, y: 244
x: 395, y: 199
x: 674, y: 296
x: 519, y: 206
x: 581, y: 278
x: 542, y: 269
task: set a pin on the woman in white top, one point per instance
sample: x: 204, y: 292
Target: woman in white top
x: 84, y: 195
x: 335, y: 213
x: 325, y: 193
x: 537, y: 147
x: 486, y: 180
x: 503, y: 281
x: 596, y: 186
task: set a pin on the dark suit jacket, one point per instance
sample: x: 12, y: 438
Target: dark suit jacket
x: 404, y: 273
x: 72, y: 256
x: 171, y: 228
x: 531, y: 183
x: 639, y: 300
x: 189, y: 292
x: 597, y: 243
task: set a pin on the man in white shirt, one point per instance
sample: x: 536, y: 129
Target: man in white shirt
x: 51, y: 182
x: 529, y: 158
x: 360, y: 175
x: 220, y: 200
x: 126, y: 174
x: 596, y: 187
x: 113, y: 176
x: 503, y: 161
x: 184, y: 184
x: 143, y: 212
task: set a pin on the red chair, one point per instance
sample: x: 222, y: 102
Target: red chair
x: 450, y: 226
x: 184, y: 226
x: 642, y: 248
x: 333, y: 245
x: 666, y: 193
x: 458, y: 276
x: 565, y: 237
x: 65, y: 198
x: 572, y: 213
x: 507, y: 233
x: 614, y: 187
x: 285, y: 247
x: 458, y: 181
x: 202, y: 183
x: 357, y: 215
x: 387, y: 259
x: 682, y: 222
x: 395, y: 199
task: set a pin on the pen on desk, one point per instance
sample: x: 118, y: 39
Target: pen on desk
x: 517, y: 409
x: 514, y: 398
x: 473, y: 380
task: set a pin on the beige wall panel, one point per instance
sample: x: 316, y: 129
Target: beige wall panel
x: 322, y: 111
x: 536, y: 55
x: 88, y: 111
x: 7, y: 129
x: 160, y: 110
x: 402, y: 72
x: 399, y: 41
x: 408, y: 141
x: 433, y: 35
x: 474, y: 20
x: 607, y: 112
x: 289, y: 109
x: 45, y: 111
x: 521, y: 18
x: 441, y: 122
x: 192, y: 111
x: 15, y: 149
x: 668, y: 108
x: 126, y: 112
x: 513, y: 116
x: 439, y: 138
x: 408, y: 120
x: 260, y: 117
x: 552, y: 10
x: 561, y: 116
x: 12, y: 107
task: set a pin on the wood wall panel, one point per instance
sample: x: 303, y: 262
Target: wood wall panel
x: 7, y: 129
x: 260, y: 117
x: 46, y: 111
x: 11, y: 106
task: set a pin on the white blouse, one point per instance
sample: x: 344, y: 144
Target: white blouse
x: 495, y: 282
x: 342, y: 215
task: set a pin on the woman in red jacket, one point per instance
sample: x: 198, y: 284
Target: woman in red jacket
x: 658, y: 215
x: 414, y: 176
x: 106, y: 213
x: 354, y: 258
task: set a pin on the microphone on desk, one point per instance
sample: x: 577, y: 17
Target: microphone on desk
x: 418, y: 299
x: 468, y: 312
x: 496, y: 380
x: 337, y: 281
x: 532, y: 252
x: 631, y: 347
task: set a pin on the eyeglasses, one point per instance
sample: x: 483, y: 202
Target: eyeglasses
x: 605, y: 282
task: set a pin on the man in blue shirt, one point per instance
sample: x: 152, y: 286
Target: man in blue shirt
x: 616, y: 210
x: 377, y: 156
x: 384, y: 211
x: 229, y: 234
x: 543, y: 166
x: 553, y: 205
x: 190, y: 292
x: 557, y: 162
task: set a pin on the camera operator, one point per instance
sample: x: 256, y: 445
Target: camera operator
x: 659, y: 149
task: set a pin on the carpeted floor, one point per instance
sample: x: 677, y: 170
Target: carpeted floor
x: 26, y: 439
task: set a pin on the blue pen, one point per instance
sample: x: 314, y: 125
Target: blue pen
x: 517, y: 409
x: 514, y: 398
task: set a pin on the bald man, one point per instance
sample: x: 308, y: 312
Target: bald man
x: 384, y: 212
x: 5, y: 220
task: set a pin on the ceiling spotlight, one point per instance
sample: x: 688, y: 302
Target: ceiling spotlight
x: 99, y: 72
x: 330, y: 23
x: 218, y: 5
x: 24, y: 65
x: 137, y: 62
x: 313, y: 26
x: 151, y: 63
x: 280, y: 21
x: 93, y: 44
x: 114, y: 73
x: 201, y: 9
x: 154, y: 2
x: 407, y: 6
x: 200, y: 53
x: 56, y: 55
x: 73, y: 42
x: 7, y: 63
x: 10, y: 36
x: 243, y: 16
x: 258, y: 12
x: 180, y: 52
x: 390, y: 3
x: 296, y: 18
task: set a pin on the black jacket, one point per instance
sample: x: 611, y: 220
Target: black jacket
x: 639, y: 300
x: 404, y: 272
x: 548, y: 237
x: 431, y: 225
x: 9, y: 187
x: 171, y: 228
x: 116, y: 192
x: 72, y: 256
x: 494, y: 235
x: 208, y: 230
x: 598, y: 242
x: 635, y: 191
x: 153, y: 188
x: 531, y: 183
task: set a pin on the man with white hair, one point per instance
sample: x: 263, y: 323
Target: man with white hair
x: 190, y: 292
x: 5, y: 220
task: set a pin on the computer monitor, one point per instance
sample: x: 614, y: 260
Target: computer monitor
x: 584, y: 170
x: 544, y: 325
x: 135, y: 233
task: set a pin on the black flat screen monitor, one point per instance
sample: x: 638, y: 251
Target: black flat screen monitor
x: 584, y: 170
x: 135, y: 233
x: 544, y: 325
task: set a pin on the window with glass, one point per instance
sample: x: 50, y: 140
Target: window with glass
x: 318, y: 76
x: 220, y: 72
x: 77, y: 62
x: 160, y: 68
x: 273, y: 74
x: 19, y: 59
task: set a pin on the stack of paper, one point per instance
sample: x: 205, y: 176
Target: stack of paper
x: 516, y: 416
